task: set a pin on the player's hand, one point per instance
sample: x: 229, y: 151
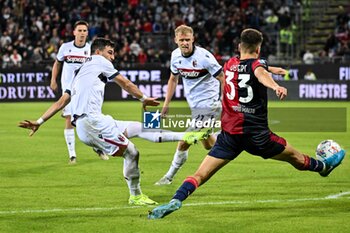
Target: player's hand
x: 53, y: 85
x: 150, y: 102
x: 165, y: 111
x: 33, y: 125
x: 281, y: 92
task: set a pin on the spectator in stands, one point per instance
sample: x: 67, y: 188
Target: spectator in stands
x: 6, y: 61
x: 5, y: 40
x: 36, y: 58
x: 142, y: 57
x: 135, y: 48
x: 310, y: 75
x: 308, y: 58
x: 51, y: 23
x: 271, y: 22
x: 16, y: 58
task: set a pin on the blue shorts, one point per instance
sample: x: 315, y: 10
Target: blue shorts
x: 264, y: 144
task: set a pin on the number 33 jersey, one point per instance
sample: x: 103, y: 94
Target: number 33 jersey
x: 244, y: 103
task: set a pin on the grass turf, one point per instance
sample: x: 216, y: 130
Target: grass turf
x: 40, y: 192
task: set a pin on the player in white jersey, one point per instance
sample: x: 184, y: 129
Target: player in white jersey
x: 70, y: 56
x: 95, y: 129
x: 202, y: 77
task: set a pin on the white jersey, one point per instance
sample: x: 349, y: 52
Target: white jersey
x: 72, y: 58
x: 88, y: 85
x: 198, y: 72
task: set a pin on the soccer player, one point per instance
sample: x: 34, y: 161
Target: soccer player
x: 201, y: 75
x: 86, y: 93
x: 69, y: 57
x: 202, y: 79
x: 245, y: 125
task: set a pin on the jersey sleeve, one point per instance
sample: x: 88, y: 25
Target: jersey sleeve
x: 260, y: 62
x: 212, y: 65
x: 173, y: 68
x: 60, y: 53
x: 108, y: 69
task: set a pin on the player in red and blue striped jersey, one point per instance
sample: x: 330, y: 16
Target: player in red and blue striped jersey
x: 244, y: 124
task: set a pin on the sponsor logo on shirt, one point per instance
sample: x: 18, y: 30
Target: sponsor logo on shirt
x: 186, y: 73
x: 74, y: 59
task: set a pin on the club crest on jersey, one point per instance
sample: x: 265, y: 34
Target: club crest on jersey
x: 194, y: 63
x: 86, y: 52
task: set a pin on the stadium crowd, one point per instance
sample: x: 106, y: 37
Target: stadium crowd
x: 337, y: 45
x: 32, y: 31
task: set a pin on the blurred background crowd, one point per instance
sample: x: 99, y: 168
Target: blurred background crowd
x: 298, y: 31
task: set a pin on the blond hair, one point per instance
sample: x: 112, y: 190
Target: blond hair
x: 183, y: 29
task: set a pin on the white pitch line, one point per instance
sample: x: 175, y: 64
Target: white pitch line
x: 333, y: 196
x: 338, y: 195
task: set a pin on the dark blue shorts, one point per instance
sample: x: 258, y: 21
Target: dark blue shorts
x: 264, y: 144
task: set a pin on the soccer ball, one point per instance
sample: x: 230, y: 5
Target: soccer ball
x: 326, y: 149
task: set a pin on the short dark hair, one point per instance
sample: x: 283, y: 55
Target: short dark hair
x: 81, y: 22
x: 100, y: 43
x: 251, y: 39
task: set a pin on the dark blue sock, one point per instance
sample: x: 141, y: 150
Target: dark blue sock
x: 316, y: 165
x: 187, y: 187
x: 312, y: 164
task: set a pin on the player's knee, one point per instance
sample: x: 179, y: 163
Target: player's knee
x: 131, y: 151
x: 209, y: 143
x: 183, y: 146
x: 207, y: 146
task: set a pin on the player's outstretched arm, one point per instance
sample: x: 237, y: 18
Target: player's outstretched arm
x: 51, y: 111
x: 132, y: 89
x: 265, y: 78
x: 277, y: 70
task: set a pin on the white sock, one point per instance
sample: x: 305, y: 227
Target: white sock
x: 131, y: 169
x: 134, y: 129
x: 70, y: 141
x: 162, y: 136
x: 179, y: 159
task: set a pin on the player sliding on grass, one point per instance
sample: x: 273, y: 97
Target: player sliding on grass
x: 244, y: 124
x: 95, y: 129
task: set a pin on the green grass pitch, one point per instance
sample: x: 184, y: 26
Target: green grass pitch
x: 40, y: 192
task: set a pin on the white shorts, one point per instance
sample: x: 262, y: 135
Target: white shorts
x: 101, y: 132
x: 208, y: 114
